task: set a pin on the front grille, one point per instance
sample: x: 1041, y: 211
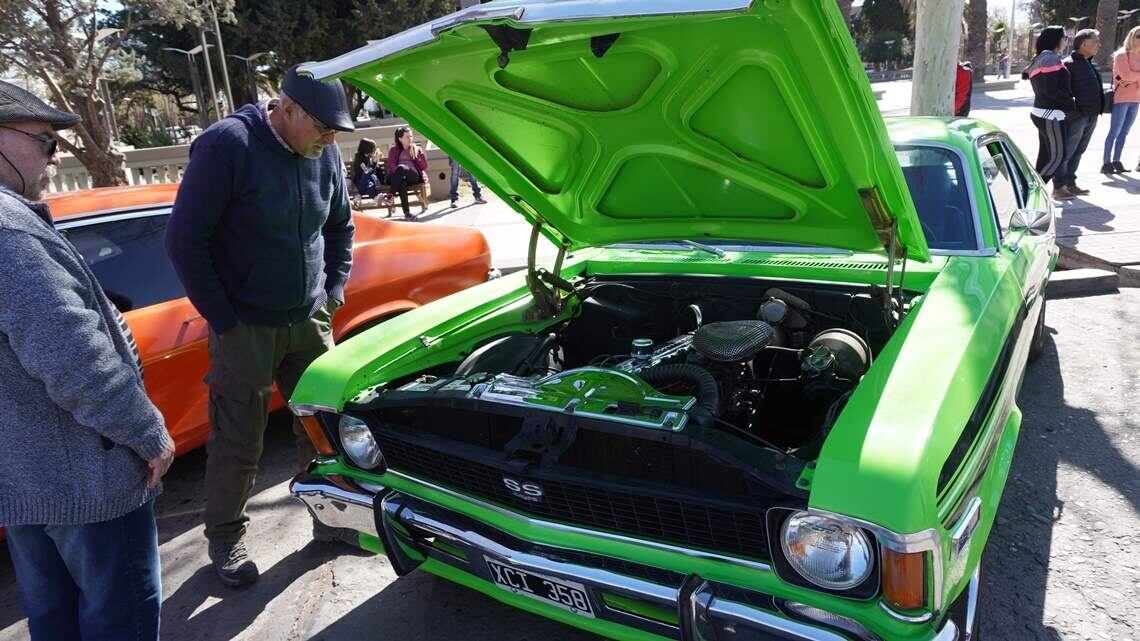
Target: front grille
x: 685, y: 521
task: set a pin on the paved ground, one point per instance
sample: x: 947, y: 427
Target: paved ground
x: 1061, y: 564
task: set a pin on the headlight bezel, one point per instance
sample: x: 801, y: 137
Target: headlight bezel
x: 370, y: 457
x: 867, y: 589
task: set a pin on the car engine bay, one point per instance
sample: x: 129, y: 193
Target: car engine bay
x: 772, y: 364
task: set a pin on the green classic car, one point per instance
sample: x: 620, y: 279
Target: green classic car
x: 766, y: 390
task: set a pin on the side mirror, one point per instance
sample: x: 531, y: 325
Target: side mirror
x: 1034, y: 222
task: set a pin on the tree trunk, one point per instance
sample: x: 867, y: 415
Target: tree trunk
x: 97, y: 151
x: 977, y: 34
x: 1106, y: 11
x: 938, y: 31
x: 845, y: 11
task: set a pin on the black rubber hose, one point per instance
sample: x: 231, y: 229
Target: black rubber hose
x: 708, y: 395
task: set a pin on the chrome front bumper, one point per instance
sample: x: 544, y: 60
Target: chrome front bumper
x: 413, y: 530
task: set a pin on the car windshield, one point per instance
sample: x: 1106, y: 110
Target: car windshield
x: 938, y: 187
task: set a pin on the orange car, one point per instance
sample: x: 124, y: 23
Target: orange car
x: 396, y: 266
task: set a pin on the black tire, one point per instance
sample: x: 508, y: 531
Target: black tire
x: 1037, y: 344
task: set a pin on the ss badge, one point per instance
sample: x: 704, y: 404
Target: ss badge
x: 524, y: 490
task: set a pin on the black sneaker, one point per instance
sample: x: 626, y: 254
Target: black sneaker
x: 1118, y: 167
x: 232, y: 563
x: 1107, y: 169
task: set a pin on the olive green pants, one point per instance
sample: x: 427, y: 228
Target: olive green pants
x: 244, y: 364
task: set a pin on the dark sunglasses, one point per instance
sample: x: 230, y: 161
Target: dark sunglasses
x: 48, y: 142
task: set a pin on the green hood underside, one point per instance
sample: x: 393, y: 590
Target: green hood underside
x: 621, y: 121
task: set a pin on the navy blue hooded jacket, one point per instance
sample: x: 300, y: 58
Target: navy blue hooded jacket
x: 259, y: 234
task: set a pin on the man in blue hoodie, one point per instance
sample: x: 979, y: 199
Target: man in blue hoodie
x: 261, y: 238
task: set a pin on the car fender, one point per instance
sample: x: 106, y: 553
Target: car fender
x: 371, y: 315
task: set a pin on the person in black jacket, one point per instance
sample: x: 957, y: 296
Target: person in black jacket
x: 1052, y: 103
x: 1084, y: 80
x: 261, y: 238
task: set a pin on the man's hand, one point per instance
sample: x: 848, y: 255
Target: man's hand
x: 159, y: 465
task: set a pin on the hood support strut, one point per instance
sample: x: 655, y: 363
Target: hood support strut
x: 892, y: 308
x: 548, y: 289
x: 887, y: 227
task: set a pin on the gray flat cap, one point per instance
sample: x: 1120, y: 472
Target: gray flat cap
x: 18, y: 105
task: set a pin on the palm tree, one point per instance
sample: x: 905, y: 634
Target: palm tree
x: 1106, y: 11
x: 976, y: 36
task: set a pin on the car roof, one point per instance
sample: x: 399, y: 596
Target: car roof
x: 959, y: 132
x: 86, y: 202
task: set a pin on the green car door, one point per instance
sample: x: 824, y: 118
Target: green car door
x: 1023, y: 219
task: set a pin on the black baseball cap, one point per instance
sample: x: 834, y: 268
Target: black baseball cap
x: 20, y: 105
x: 324, y: 101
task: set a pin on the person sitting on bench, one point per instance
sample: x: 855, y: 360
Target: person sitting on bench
x: 407, y: 166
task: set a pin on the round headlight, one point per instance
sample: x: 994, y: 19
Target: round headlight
x: 358, y: 442
x: 826, y: 551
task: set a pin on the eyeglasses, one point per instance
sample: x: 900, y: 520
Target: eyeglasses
x: 322, y: 128
x: 48, y: 142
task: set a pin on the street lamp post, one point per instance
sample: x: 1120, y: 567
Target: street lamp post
x: 209, y: 72
x: 195, y: 82
x: 250, y: 74
x: 1034, y: 31
x: 221, y: 56
x: 1009, y: 49
x: 1077, y: 24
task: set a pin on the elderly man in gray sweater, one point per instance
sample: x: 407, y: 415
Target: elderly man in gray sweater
x: 84, y: 448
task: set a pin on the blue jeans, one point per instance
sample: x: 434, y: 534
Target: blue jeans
x: 95, y: 582
x: 1078, y: 131
x: 1123, y: 114
x: 368, y: 185
x: 456, y: 170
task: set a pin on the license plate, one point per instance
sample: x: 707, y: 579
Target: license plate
x: 567, y: 595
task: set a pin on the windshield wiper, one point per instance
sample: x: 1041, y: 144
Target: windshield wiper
x: 708, y: 248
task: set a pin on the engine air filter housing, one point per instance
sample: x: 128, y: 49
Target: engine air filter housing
x: 732, y: 341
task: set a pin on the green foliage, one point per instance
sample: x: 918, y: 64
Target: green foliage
x: 294, y: 31
x: 880, y: 22
x: 885, y: 15
x: 141, y: 138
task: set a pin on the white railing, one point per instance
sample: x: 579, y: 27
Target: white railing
x: 166, y: 164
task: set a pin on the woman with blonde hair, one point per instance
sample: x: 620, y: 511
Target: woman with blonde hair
x: 1125, y: 101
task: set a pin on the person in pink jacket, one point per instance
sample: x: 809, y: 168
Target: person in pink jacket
x: 1125, y: 102
x: 407, y: 165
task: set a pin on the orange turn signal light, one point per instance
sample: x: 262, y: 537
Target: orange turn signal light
x: 904, y: 579
x: 317, y: 435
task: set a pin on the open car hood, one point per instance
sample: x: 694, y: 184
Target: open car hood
x: 628, y: 120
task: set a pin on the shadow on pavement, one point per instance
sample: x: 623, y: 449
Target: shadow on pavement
x: 179, y: 507
x: 1079, y: 216
x: 1029, y: 542
x: 234, y: 609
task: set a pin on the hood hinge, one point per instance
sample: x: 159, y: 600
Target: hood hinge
x: 887, y: 228
x: 548, y: 289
